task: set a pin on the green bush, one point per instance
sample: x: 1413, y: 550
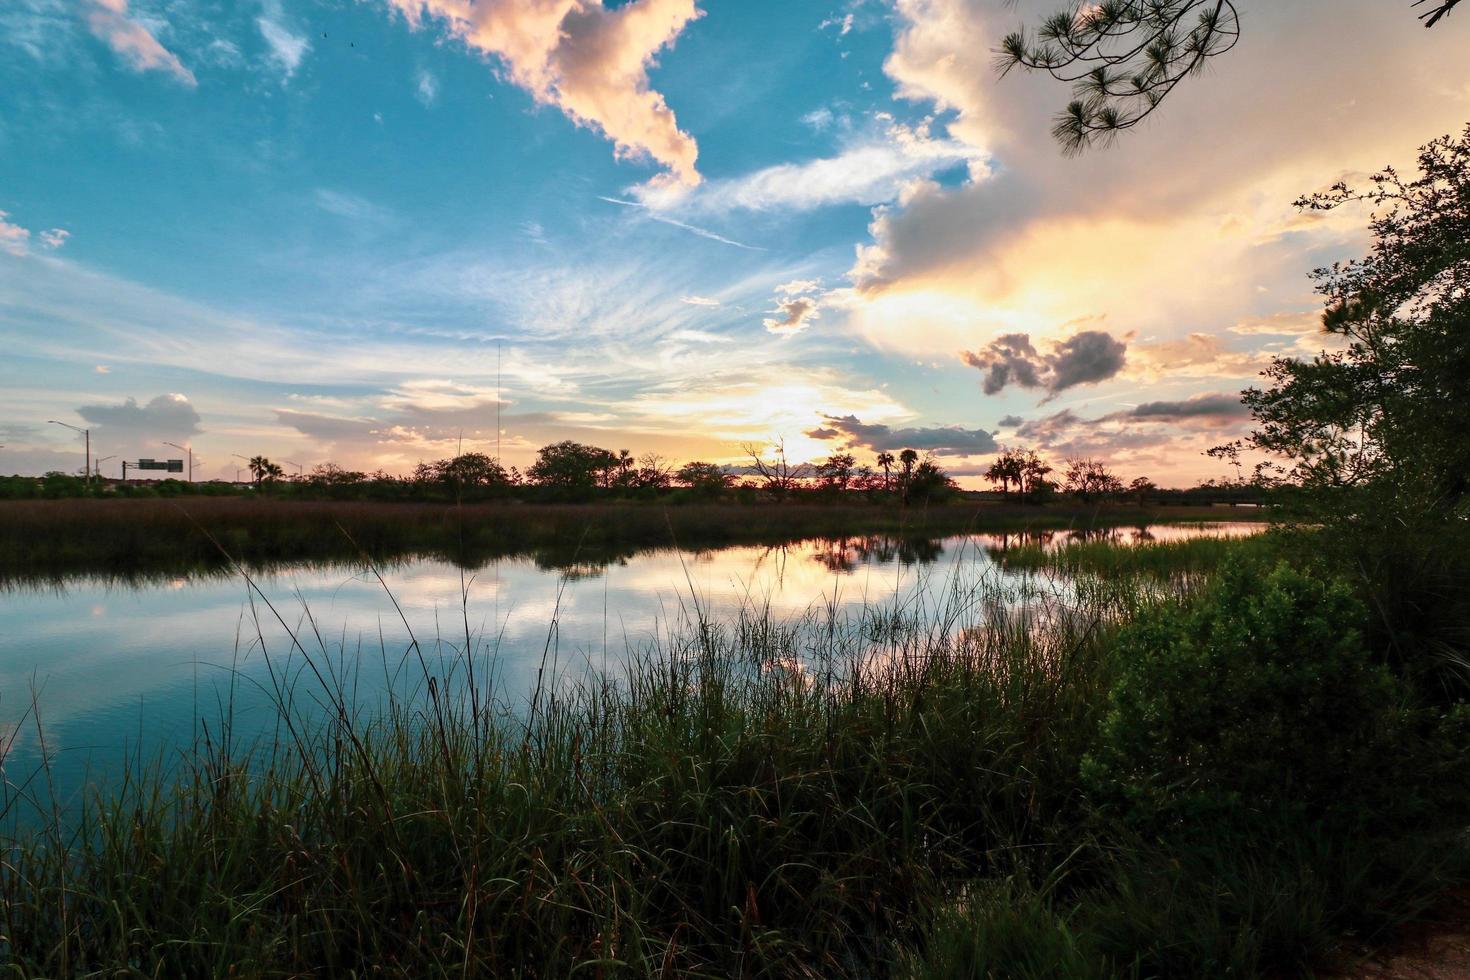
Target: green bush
x: 1261, y: 697
x: 1265, y: 784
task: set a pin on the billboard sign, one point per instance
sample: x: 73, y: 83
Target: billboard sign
x: 169, y: 465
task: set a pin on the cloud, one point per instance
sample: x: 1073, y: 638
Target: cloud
x: 286, y: 50
x: 1219, y: 405
x: 1087, y: 357
x: 870, y: 171
x: 1198, y: 355
x: 797, y: 307
x: 792, y: 315
x: 426, y: 88
x: 843, y: 24
x: 108, y: 21
x: 165, y: 417
x: 13, y: 238
x: 700, y: 301
x: 940, y: 440
x: 16, y: 239
x: 1282, y: 324
x: 587, y: 59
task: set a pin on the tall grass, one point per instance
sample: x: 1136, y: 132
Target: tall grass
x: 757, y: 796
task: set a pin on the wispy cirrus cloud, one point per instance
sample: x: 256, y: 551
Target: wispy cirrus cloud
x: 134, y: 43
x: 873, y: 169
x: 586, y: 58
x: 285, y: 48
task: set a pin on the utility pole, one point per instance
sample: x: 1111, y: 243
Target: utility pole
x: 497, y: 406
x: 191, y: 457
x: 97, y: 466
x: 86, y: 470
x: 295, y: 464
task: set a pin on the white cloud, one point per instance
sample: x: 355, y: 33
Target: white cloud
x: 426, y: 87
x: 54, y: 238
x: 134, y: 43
x: 13, y: 238
x: 700, y: 301
x: 587, y: 59
x: 286, y: 49
x: 872, y: 170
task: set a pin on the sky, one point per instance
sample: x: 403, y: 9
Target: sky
x: 363, y: 231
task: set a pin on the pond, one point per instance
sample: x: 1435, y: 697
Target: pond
x: 96, y: 670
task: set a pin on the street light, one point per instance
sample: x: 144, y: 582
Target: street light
x: 295, y: 464
x: 191, y: 457
x: 87, y: 470
x: 237, y: 469
x: 97, y: 466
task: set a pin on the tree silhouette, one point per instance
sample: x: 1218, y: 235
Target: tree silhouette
x: 885, y: 462
x: 1122, y: 58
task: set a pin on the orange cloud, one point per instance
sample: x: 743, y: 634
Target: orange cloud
x: 589, y: 60
x: 109, y: 21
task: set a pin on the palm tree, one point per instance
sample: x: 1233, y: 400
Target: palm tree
x: 885, y: 460
x: 259, y: 467
x: 908, y: 458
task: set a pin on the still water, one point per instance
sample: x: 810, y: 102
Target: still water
x: 113, y: 669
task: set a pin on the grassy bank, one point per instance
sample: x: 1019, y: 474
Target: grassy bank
x: 56, y: 537
x: 954, y: 785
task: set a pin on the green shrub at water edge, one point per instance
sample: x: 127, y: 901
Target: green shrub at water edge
x: 1267, y: 783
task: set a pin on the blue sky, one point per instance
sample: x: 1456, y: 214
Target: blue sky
x: 319, y: 229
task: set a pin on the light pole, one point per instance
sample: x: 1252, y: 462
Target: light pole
x: 191, y: 457
x: 87, y: 470
x: 247, y: 463
x: 97, y: 466
x: 295, y: 464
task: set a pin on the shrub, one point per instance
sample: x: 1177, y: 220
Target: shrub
x: 1265, y: 784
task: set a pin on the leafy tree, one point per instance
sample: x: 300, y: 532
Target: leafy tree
x: 1122, y: 58
x: 836, y: 471
x: 1376, y: 432
x: 466, y: 471
x: 331, y: 475
x: 704, y: 479
x: 1142, y: 488
x: 927, y: 481
x: 571, y: 465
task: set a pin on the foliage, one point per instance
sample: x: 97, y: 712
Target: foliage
x: 1121, y: 57
x: 704, y: 479
x: 1024, y: 470
x: 1261, y: 700
x: 572, y: 466
x: 1124, y: 57
x: 1374, y: 433
x: 467, y: 471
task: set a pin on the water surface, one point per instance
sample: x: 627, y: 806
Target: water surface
x: 115, y: 667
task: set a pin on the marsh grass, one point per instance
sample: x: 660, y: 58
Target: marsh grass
x: 1178, y: 561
